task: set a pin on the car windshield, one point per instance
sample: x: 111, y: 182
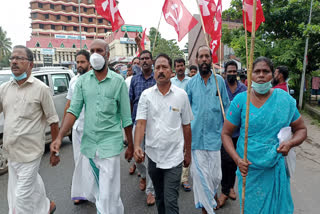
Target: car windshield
x: 4, y: 78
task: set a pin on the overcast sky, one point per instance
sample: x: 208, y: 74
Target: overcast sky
x: 15, y: 17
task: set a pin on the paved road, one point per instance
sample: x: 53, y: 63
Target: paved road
x: 305, y: 185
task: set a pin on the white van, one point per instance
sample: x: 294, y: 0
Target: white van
x: 58, y: 79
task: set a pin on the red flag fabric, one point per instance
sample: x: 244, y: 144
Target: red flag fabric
x: 247, y: 13
x: 108, y: 9
x: 143, y: 39
x: 214, y: 45
x: 216, y: 35
x: 179, y: 17
x: 208, y: 10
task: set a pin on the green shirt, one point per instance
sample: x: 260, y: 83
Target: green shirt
x: 107, y: 105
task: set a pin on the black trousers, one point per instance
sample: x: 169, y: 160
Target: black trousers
x: 166, y: 183
x: 229, y: 169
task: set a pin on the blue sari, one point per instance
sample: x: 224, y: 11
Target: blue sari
x: 267, y: 185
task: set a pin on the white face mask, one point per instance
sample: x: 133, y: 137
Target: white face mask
x: 97, y: 61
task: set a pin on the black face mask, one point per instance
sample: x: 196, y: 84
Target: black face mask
x: 232, y: 78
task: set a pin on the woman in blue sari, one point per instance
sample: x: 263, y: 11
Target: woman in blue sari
x: 267, y: 184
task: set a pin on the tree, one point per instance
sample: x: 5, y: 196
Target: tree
x: 5, y: 47
x: 282, y: 36
x: 169, y: 47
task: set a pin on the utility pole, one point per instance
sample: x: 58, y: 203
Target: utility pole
x: 80, y: 24
x: 304, y: 63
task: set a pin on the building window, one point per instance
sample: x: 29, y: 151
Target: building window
x: 67, y: 57
x: 38, y: 45
x: 85, y: 46
x: 64, y: 27
x: 89, y: 1
x: 127, y: 47
x: 39, y: 56
x: 35, y: 55
x: 63, y: 7
x: 74, y: 46
x: 34, y: 15
x: 53, y: 27
x: 90, y: 19
x: 69, y: 18
x: 74, y: 8
x: 41, y: 26
x: 85, y: 9
x: 51, y: 6
x: 100, y: 20
x: 40, y: 5
x: 50, y: 45
x: 131, y: 46
x: 75, y: 28
x: 62, y: 45
x: 85, y: 29
x: 46, y: 16
x: 58, y: 17
x: 106, y: 30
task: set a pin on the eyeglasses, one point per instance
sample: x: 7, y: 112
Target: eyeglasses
x: 18, y: 58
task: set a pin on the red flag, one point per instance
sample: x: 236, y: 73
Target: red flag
x: 216, y: 35
x: 208, y: 11
x: 143, y: 39
x: 248, y: 15
x: 108, y: 9
x: 179, y: 17
x: 214, y: 45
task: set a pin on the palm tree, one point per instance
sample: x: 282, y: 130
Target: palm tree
x: 5, y: 44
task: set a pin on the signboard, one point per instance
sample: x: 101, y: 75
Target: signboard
x: 124, y: 40
x: 47, y: 60
x: 130, y: 28
x: 47, y: 51
x: 61, y: 36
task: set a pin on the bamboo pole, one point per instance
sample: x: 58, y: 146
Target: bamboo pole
x: 253, y: 36
x: 155, y: 39
x: 214, y: 72
x: 246, y: 35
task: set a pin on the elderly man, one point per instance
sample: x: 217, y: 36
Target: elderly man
x: 164, y: 114
x: 28, y: 107
x: 139, y: 83
x: 105, y: 96
x: 79, y: 180
x: 206, y: 129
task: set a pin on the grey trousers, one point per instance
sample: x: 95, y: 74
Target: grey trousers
x: 166, y: 184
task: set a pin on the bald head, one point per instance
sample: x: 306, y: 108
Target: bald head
x: 99, y: 44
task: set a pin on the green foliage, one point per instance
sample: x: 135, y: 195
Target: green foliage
x: 169, y: 47
x: 5, y: 47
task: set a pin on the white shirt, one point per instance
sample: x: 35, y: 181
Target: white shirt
x: 79, y: 124
x: 128, y: 82
x: 165, y: 115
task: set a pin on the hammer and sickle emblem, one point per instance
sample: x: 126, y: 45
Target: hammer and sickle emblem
x: 177, y: 14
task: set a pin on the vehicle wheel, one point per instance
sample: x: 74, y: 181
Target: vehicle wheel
x: 3, y: 160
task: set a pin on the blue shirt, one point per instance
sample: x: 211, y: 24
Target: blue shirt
x: 208, y: 119
x: 240, y: 88
x: 181, y: 84
x: 137, y: 86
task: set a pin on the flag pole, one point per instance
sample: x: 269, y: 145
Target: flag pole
x: 214, y: 72
x: 253, y: 36
x: 155, y: 39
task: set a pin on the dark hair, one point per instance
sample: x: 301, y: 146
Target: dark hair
x: 284, y: 71
x: 134, y: 59
x: 129, y: 66
x: 27, y: 50
x: 231, y: 62
x: 179, y: 60
x: 193, y: 67
x: 202, y: 46
x: 164, y: 56
x: 84, y: 53
x: 263, y: 59
x: 146, y: 51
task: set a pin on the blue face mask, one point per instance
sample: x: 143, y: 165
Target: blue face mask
x: 261, y: 88
x: 21, y: 77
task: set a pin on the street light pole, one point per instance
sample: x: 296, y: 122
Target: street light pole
x: 304, y: 63
x: 80, y: 24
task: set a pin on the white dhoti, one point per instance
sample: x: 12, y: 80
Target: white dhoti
x: 206, y: 174
x: 83, y: 181
x: 107, y: 176
x: 26, y: 192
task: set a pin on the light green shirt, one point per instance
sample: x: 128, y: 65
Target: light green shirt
x: 107, y: 105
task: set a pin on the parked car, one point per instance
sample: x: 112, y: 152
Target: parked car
x: 58, y: 79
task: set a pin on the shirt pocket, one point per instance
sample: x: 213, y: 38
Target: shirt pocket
x: 30, y: 109
x: 109, y: 105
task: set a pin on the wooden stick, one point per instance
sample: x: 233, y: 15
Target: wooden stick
x: 249, y: 74
x: 214, y: 72
x: 155, y: 39
x: 246, y: 35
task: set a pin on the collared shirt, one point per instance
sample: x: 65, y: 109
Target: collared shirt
x: 106, y: 106
x: 165, y: 115
x: 181, y: 84
x: 240, y: 88
x: 128, y: 82
x: 27, y: 109
x: 208, y: 119
x: 78, y: 125
x: 282, y: 86
x: 137, y: 86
